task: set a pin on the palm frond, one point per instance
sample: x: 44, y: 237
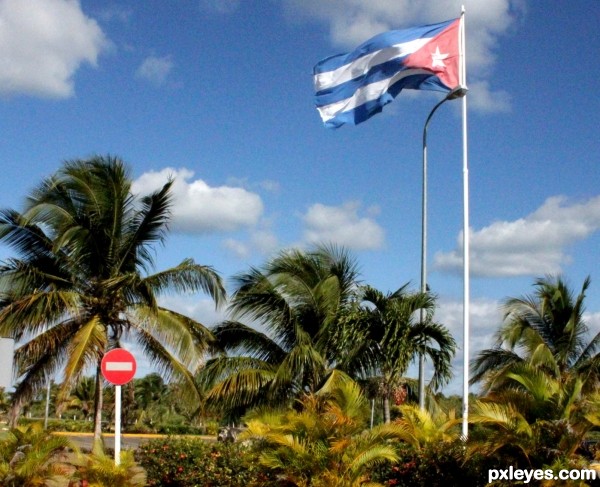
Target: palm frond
x: 189, y: 277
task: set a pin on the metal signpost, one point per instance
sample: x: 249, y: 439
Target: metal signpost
x: 118, y: 368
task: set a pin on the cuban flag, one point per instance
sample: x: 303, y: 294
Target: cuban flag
x: 351, y: 88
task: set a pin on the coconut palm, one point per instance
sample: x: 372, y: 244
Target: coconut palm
x: 546, y: 331
x: 82, y: 282
x: 389, y: 334
x: 294, y: 302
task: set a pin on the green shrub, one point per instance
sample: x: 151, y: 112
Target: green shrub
x: 177, y: 429
x: 436, y: 465
x: 70, y: 425
x: 190, y: 462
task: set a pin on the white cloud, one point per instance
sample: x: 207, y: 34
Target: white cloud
x: 534, y: 245
x: 267, y: 185
x: 343, y: 225
x: 262, y: 241
x: 353, y: 21
x: 484, y: 319
x: 155, y: 69
x: 484, y: 99
x: 42, y: 45
x: 593, y: 321
x: 239, y: 249
x: 199, y: 208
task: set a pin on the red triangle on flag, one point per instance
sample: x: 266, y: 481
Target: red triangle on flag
x: 441, y: 56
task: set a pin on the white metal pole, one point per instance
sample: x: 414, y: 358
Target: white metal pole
x: 466, y: 284
x: 117, y: 425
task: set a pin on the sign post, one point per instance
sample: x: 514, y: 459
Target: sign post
x: 118, y: 367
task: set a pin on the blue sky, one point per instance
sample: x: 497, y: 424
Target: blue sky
x: 219, y: 94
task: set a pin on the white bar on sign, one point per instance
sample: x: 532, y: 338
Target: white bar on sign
x: 119, y: 366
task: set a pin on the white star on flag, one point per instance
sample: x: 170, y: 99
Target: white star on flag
x: 437, y: 58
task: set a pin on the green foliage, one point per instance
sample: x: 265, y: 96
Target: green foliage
x: 541, y: 380
x: 323, y: 442
x: 186, y: 462
x: 422, y: 427
x: 297, y: 297
x: 82, y: 280
x: 435, y: 465
x: 547, y: 332
x: 70, y: 425
x: 30, y: 457
x: 100, y: 470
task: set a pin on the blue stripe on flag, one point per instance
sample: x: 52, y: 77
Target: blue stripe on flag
x: 380, y: 41
x: 377, y: 73
x: 352, y: 87
x: 366, y: 110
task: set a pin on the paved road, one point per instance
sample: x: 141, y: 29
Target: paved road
x: 128, y: 441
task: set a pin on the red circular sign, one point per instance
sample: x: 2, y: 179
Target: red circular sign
x: 118, y: 366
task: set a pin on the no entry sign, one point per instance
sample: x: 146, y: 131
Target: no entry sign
x: 118, y: 366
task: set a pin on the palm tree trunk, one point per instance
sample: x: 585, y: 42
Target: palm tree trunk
x: 387, y: 417
x: 98, y: 406
x: 13, y: 415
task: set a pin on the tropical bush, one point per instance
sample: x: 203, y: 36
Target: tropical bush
x: 189, y: 462
x: 323, y: 441
x: 442, y: 464
x: 70, y: 425
x: 98, y: 469
x: 31, y: 457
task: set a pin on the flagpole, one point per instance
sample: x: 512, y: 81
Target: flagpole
x: 466, y: 286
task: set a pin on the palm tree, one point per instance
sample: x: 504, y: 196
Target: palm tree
x: 82, y: 281
x: 31, y: 457
x: 389, y: 335
x: 322, y: 441
x: 537, y: 415
x: 546, y: 331
x: 425, y: 427
x: 82, y: 397
x: 296, y: 299
x: 541, y: 379
x: 150, y: 389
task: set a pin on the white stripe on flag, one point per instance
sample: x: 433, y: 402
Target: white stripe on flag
x: 361, y: 65
x: 119, y: 366
x: 365, y: 94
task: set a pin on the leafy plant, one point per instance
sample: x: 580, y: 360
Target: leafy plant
x: 30, y: 457
x: 323, y: 441
x: 99, y: 469
x: 188, y: 462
